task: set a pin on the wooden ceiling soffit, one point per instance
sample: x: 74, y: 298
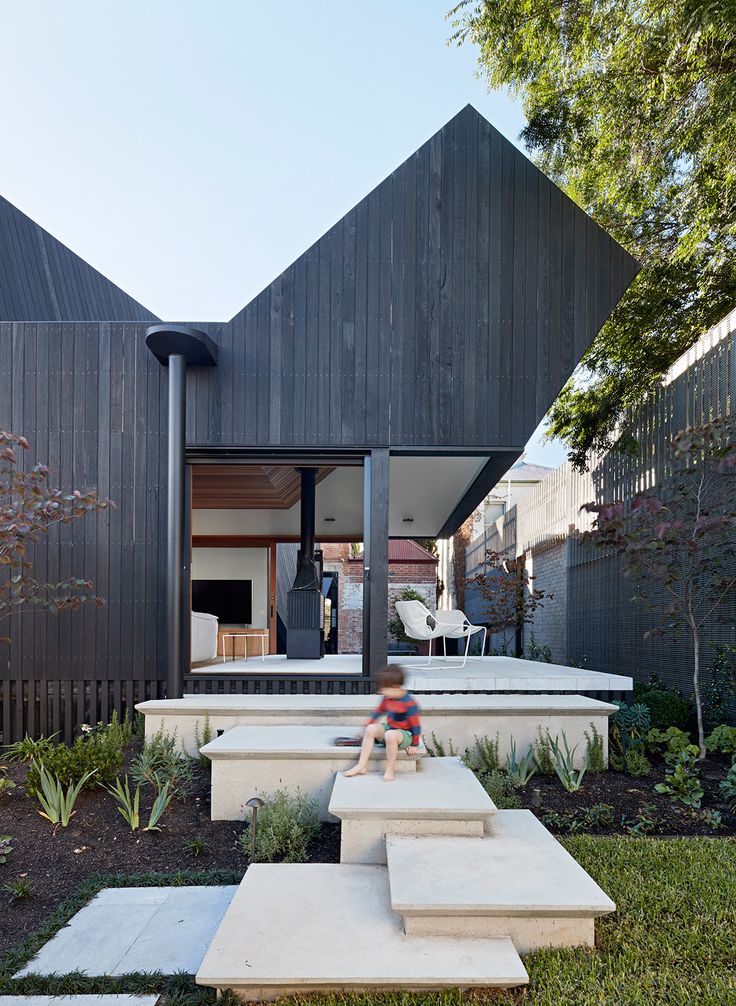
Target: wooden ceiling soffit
x: 247, y: 487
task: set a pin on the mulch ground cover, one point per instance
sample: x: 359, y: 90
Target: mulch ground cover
x: 98, y: 841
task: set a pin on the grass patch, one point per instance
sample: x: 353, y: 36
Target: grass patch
x: 672, y: 941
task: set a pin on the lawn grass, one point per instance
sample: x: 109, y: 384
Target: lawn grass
x: 672, y: 941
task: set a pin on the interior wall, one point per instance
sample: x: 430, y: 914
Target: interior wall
x: 237, y: 564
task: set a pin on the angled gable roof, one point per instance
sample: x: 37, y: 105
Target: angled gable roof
x: 449, y: 307
x: 42, y: 280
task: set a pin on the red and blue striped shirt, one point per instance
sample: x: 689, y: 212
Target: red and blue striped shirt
x: 400, y: 714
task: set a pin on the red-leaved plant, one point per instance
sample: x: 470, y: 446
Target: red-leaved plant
x: 679, y: 543
x: 29, y: 508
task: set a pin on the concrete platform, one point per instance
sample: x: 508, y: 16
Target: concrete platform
x: 315, y: 927
x: 442, y: 797
x: 127, y: 929
x: 456, y: 718
x: 80, y: 1000
x: 485, y: 674
x: 518, y: 882
x: 258, y: 760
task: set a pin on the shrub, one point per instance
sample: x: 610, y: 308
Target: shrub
x: 571, y: 778
x: 483, y: 758
x: 728, y: 787
x: 94, y: 758
x: 201, y: 739
x: 594, y: 753
x: 396, y: 626
x: 6, y: 847
x: 667, y: 706
x: 723, y: 739
x: 667, y: 742
x: 537, y: 651
x: 29, y: 749
x: 542, y: 750
x: 636, y: 763
x: 6, y: 785
x: 161, y: 763
x: 285, y: 827
x: 719, y: 688
x: 682, y: 779
x: 629, y: 726
x: 497, y: 786
x: 438, y: 750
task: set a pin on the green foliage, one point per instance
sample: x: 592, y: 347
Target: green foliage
x: 636, y: 763
x: 537, y: 651
x: 204, y: 738
x: 542, y: 750
x: 498, y: 787
x: 19, y: 889
x: 719, y: 688
x: 630, y: 107
x: 6, y: 847
x: 96, y: 757
x: 29, y: 749
x: 196, y: 846
x: 6, y: 785
x: 285, y: 827
x: 57, y: 804
x: 436, y: 749
x: 161, y: 762
x: 629, y: 727
x: 571, y: 778
x: 509, y: 596
x: 723, y: 739
x: 682, y: 779
x: 600, y: 815
x: 667, y: 742
x: 139, y: 726
x: 594, y: 754
x: 520, y: 771
x: 395, y: 625
x: 728, y: 787
x: 713, y: 818
x: 667, y: 706
x: 129, y: 805
x: 643, y: 823
x: 483, y: 757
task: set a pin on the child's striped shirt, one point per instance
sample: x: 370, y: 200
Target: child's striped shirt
x: 400, y: 714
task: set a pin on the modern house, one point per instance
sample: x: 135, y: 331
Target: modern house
x: 378, y: 388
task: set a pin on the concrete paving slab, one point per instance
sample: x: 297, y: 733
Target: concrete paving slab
x: 123, y: 930
x: 309, y: 927
x: 278, y: 742
x: 441, y: 788
x: 519, y: 869
x: 82, y: 1000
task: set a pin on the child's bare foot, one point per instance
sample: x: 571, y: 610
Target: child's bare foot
x: 356, y: 770
x: 388, y: 776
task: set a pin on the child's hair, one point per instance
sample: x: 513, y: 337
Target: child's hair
x: 390, y: 676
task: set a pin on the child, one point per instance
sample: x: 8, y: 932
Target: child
x: 395, y: 722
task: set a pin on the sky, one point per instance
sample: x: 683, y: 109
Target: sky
x: 191, y: 150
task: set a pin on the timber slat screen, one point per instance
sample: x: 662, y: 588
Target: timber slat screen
x: 445, y: 311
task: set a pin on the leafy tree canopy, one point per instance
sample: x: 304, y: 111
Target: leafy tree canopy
x: 631, y: 109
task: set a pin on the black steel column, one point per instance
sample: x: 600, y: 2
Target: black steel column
x: 176, y: 347
x: 375, y: 560
x: 175, y: 525
x: 307, y: 510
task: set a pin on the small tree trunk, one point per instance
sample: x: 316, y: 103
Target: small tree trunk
x: 696, y: 688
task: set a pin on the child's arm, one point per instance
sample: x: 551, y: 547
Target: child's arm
x: 378, y: 712
x: 413, y: 723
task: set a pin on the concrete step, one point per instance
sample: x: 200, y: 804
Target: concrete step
x: 257, y: 760
x: 442, y: 797
x: 314, y: 927
x: 456, y: 718
x: 517, y: 882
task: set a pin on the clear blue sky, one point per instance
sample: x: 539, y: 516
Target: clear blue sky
x: 191, y: 150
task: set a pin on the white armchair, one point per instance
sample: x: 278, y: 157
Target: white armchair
x: 422, y: 625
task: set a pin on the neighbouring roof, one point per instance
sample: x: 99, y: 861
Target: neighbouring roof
x: 404, y: 550
x: 527, y: 473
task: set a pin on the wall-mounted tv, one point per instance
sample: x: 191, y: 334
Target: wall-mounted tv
x: 230, y: 600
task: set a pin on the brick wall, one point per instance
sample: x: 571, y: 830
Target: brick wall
x: 549, y: 566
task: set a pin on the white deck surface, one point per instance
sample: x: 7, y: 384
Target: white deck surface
x: 441, y: 788
x: 296, y: 927
x: 292, y: 742
x: 128, y: 929
x: 519, y: 869
x: 479, y: 673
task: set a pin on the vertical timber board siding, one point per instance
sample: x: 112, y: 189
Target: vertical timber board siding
x: 448, y: 308
x: 91, y: 400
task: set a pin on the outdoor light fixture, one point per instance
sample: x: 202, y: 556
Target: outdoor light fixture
x: 536, y: 799
x: 408, y: 520
x: 255, y: 803
x: 329, y: 520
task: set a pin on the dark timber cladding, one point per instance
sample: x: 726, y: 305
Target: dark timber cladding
x: 444, y: 312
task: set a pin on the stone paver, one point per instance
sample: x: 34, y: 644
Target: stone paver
x: 129, y: 929
x: 83, y: 1000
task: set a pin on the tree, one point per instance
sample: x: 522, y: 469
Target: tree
x: 679, y: 544
x: 395, y: 626
x: 29, y: 508
x: 631, y: 109
x: 509, y: 595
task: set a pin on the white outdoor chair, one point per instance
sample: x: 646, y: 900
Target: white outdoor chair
x: 422, y: 625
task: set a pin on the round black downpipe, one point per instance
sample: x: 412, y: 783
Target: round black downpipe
x: 307, y: 510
